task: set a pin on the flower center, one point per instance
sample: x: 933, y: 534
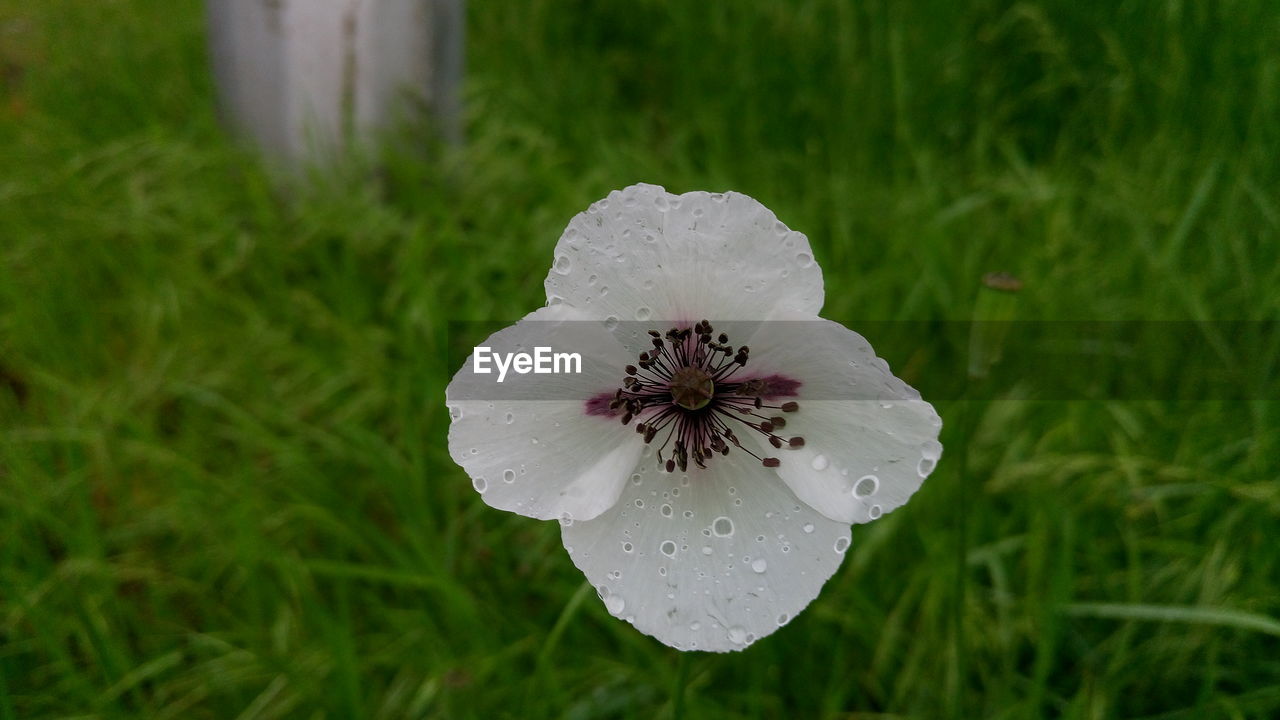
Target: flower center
x: 692, y: 388
x: 686, y: 391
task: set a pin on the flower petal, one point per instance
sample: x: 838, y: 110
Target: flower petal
x: 529, y: 444
x: 870, y: 441
x: 645, y: 254
x: 709, y: 560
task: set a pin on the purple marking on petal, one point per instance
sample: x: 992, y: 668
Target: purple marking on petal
x: 598, y: 405
x: 776, y: 386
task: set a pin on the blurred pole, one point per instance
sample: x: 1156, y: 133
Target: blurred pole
x: 309, y: 80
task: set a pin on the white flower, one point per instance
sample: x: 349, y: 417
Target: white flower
x: 705, y: 474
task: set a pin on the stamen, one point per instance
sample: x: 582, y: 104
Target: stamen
x: 684, y: 387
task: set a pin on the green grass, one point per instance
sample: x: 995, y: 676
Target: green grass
x: 224, y: 486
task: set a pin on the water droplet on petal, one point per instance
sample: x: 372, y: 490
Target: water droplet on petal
x: 842, y: 544
x: 874, y: 512
x: 643, y: 313
x: 759, y: 565
x: 737, y: 635
x: 722, y: 526
x: 804, y: 260
x: 924, y: 467
x: 667, y: 548
x: 666, y: 510
x: 479, y: 484
x: 819, y: 462
x: 783, y: 619
x: 614, y: 604
x: 808, y: 527
x: 706, y: 550
x: 509, y: 475
x: 627, y: 547
x: 611, y: 322
x: 866, y: 486
x: 563, y: 264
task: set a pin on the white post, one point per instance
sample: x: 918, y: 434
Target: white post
x: 308, y: 79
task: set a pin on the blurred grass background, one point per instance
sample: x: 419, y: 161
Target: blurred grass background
x: 224, y: 487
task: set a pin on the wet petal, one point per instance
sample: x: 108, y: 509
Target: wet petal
x: 870, y: 441
x: 529, y: 443
x: 645, y: 254
x: 709, y: 560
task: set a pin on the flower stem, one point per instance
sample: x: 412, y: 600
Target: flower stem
x: 682, y: 679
